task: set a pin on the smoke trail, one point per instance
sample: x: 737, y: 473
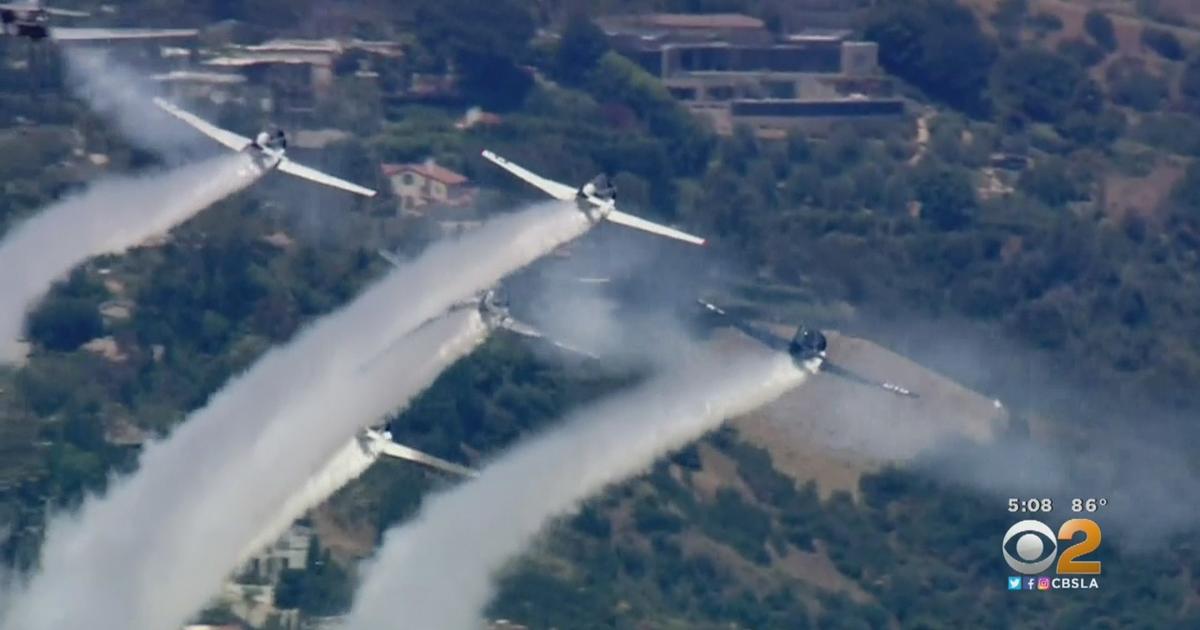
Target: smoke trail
x: 109, y: 216
x: 446, y: 272
x: 350, y: 461
x: 436, y: 572
x: 6, y: 591
x: 346, y: 465
x: 250, y: 423
x: 110, y: 563
x: 126, y: 98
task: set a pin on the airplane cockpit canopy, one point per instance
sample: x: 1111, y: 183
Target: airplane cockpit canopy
x: 807, y: 343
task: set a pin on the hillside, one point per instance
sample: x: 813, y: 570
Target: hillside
x: 831, y: 431
x: 1042, y: 187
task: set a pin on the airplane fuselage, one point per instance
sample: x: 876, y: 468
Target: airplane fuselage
x: 31, y: 23
x: 493, y: 309
x: 372, y: 441
x: 264, y: 158
x: 807, y: 344
x: 594, y: 207
x: 267, y: 149
x: 597, y: 198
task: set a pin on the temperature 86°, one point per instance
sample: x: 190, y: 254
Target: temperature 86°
x: 1087, y: 505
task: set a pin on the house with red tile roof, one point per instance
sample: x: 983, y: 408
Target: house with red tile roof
x: 423, y: 184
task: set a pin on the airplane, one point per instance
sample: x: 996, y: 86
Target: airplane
x: 597, y: 199
x: 807, y: 349
x: 32, y: 20
x: 267, y: 150
x: 350, y: 462
x: 494, y: 311
x: 377, y: 442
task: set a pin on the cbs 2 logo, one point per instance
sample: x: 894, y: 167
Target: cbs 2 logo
x: 1029, y: 547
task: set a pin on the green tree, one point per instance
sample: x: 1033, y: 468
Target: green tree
x: 1081, y: 51
x: 947, y: 197
x: 63, y: 324
x: 936, y: 45
x: 618, y: 80
x: 1044, y: 22
x: 485, y: 40
x: 1131, y: 84
x: 321, y: 589
x: 1187, y: 191
x: 1050, y: 181
x: 581, y: 47
x: 1008, y: 17
x: 1084, y: 128
x: 1038, y: 83
x: 1163, y: 42
x: 1100, y: 27
x: 1189, y: 83
x: 1043, y: 323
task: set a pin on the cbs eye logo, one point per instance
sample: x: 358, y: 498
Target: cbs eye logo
x: 1030, y: 547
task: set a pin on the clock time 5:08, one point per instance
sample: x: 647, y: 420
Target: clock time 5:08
x: 1030, y: 505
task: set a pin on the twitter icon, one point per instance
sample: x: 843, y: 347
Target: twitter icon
x: 1014, y: 583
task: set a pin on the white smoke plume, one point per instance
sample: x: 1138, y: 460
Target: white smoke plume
x: 148, y: 556
x: 230, y: 468
x: 437, y: 571
x: 6, y: 590
x: 350, y: 462
x: 126, y: 98
x: 107, y: 217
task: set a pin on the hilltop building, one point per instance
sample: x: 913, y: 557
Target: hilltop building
x: 733, y: 69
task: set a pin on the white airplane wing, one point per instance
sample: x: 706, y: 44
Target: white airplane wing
x: 629, y: 220
x: 400, y: 451
x: 521, y: 328
x: 299, y: 170
x: 392, y: 259
x: 65, y: 12
x: 227, y: 138
x: 68, y: 34
x: 33, y: 6
x: 555, y: 189
x: 572, y: 349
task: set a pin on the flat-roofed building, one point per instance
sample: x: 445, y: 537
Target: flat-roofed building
x: 649, y: 29
x: 769, y: 116
x: 289, y: 552
x: 732, y: 69
x: 192, y: 85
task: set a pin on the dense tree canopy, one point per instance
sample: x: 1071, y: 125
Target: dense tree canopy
x: 1100, y: 27
x: 936, y: 45
x: 581, y: 47
x: 1134, y: 85
x: 485, y: 40
x: 63, y: 324
x: 1189, y: 83
x: 947, y: 197
x: 1037, y: 83
x: 1163, y: 42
